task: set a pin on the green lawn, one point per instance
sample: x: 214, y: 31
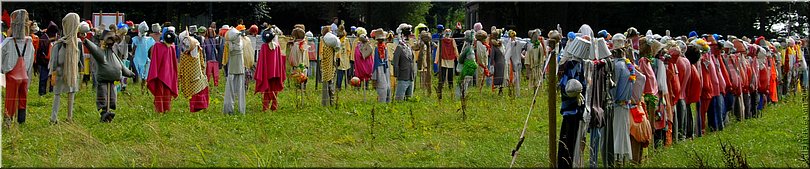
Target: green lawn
x: 419, y: 133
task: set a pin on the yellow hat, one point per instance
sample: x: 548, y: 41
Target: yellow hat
x: 240, y: 27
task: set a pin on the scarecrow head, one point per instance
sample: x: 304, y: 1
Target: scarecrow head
x: 310, y: 36
x: 554, y: 38
x: 33, y: 27
x: 494, y: 39
x: 268, y: 36
x: 341, y: 32
x: 192, y: 30
x: 19, y: 21
x: 424, y: 36
x: 379, y: 35
x: 480, y: 35
x: 404, y: 31
x: 361, y: 34
x: 74, y: 27
x: 325, y: 30
x: 469, y: 36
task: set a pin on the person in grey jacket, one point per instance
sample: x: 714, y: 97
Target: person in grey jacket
x: 404, y: 65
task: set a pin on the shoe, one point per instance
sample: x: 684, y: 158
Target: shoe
x: 21, y: 116
x: 103, y: 116
x: 110, y: 116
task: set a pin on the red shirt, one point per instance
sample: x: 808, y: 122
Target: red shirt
x: 722, y: 74
x: 684, y: 73
x: 673, y: 81
x: 711, y: 80
x: 694, y: 86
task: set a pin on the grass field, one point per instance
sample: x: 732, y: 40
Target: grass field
x: 419, y: 133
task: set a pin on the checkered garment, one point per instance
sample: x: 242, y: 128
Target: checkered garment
x: 327, y: 64
x: 191, y: 72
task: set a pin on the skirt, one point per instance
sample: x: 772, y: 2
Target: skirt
x: 621, y: 132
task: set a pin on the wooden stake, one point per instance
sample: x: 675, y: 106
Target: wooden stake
x: 552, y: 108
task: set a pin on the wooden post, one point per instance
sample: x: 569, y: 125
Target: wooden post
x: 552, y: 110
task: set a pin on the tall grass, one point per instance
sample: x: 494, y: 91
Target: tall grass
x: 423, y: 132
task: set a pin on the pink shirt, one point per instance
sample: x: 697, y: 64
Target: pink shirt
x: 163, y: 68
x: 651, y: 85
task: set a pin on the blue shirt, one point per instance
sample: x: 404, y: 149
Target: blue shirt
x: 621, y: 76
x: 573, y: 70
x: 380, y: 62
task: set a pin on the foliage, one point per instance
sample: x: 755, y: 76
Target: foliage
x: 389, y: 15
x: 734, y: 157
x: 455, y: 15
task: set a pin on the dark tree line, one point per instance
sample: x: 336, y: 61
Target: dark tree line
x: 739, y: 18
x: 724, y: 18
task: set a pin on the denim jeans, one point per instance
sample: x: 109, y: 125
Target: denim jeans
x: 596, y: 134
x: 43, y: 80
x: 404, y: 89
x: 340, y: 76
x: 714, y: 114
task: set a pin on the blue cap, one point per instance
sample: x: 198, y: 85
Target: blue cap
x: 572, y: 35
x: 122, y: 25
x: 353, y: 28
x: 715, y: 36
x: 693, y: 34
x: 163, y: 32
x: 603, y: 34
x: 440, y: 27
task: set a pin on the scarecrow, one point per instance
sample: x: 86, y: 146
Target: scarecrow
x: 270, y: 69
x: 403, y: 63
x: 497, y: 60
x: 535, y: 58
x: 363, y: 60
x: 381, y: 74
x: 162, y: 77
x: 18, y: 57
x: 514, y: 55
x: 467, y: 65
x: 108, y: 70
x: 448, y: 53
x: 193, y: 84
x: 233, y: 58
x: 141, y: 44
x: 424, y: 61
x: 328, y: 51
x: 65, y: 64
x: 343, y: 57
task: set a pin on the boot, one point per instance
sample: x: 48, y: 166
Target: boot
x: 439, y: 90
x: 21, y: 116
x: 103, y: 116
x: 110, y: 116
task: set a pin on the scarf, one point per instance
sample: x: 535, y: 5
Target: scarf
x: 381, y: 49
